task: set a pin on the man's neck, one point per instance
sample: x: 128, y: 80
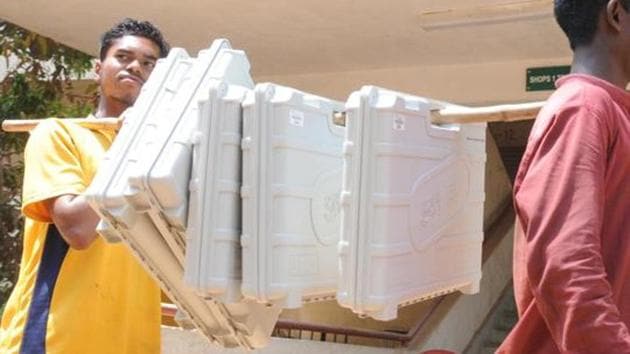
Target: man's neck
x: 597, y: 60
x: 106, y: 109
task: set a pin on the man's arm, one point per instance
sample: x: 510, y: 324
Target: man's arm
x: 54, y: 179
x: 75, y: 220
x: 561, y: 202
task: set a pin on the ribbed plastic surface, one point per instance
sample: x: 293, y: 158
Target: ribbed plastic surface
x: 158, y: 183
x: 213, y: 253
x: 412, y: 204
x: 141, y: 189
x: 291, y: 184
x: 106, y: 190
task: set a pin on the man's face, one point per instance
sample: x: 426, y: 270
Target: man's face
x: 127, y: 65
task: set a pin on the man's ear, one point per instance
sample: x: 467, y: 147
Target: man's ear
x: 97, y: 70
x: 613, y: 14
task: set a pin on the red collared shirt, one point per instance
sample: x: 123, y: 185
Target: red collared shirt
x: 572, y: 244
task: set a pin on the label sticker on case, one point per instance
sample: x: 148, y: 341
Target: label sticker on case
x: 399, y: 123
x: 296, y: 118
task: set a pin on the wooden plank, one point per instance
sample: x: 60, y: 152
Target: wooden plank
x: 26, y: 125
x: 501, y: 113
x: 449, y: 114
x: 444, y: 113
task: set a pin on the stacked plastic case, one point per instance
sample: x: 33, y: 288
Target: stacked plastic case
x: 141, y: 189
x: 213, y: 253
x: 292, y: 165
x: 106, y: 190
x: 158, y: 181
x: 412, y: 204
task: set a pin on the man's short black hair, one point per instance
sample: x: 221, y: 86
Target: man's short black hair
x: 578, y: 18
x: 131, y: 27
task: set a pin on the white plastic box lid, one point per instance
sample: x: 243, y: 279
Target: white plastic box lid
x: 213, y: 250
x: 291, y: 184
x: 412, y: 204
x: 155, y: 237
x: 106, y: 190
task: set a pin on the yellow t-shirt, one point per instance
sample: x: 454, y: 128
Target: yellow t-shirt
x: 98, y: 300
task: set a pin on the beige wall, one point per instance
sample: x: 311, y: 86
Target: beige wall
x: 471, y: 84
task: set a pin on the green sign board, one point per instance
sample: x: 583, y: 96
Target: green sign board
x: 544, y: 78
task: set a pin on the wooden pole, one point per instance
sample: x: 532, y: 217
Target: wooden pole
x: 452, y: 114
x: 26, y: 125
x: 446, y: 115
x: 501, y: 113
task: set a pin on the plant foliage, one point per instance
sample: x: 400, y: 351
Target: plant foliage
x: 39, y: 82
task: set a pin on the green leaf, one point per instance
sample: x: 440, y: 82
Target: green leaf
x: 28, y: 92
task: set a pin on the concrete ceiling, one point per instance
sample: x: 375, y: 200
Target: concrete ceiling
x: 286, y: 37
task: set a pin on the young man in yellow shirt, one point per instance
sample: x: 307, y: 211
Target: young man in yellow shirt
x: 75, y: 292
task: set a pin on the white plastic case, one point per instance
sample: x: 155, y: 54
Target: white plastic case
x: 105, y: 193
x: 155, y: 240
x: 213, y: 251
x: 291, y: 184
x: 412, y: 204
x: 244, y: 324
x: 159, y: 176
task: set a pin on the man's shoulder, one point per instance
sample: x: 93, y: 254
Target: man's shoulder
x: 49, y: 125
x: 575, y: 101
x: 57, y: 128
x: 589, y: 93
x: 47, y: 132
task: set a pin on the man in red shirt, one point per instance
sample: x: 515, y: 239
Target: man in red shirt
x: 572, y: 196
